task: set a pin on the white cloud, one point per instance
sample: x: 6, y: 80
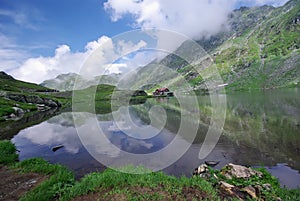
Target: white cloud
x: 65, y: 61
x: 275, y: 3
x: 194, y: 18
x: 41, y: 68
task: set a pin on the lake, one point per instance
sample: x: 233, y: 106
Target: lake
x: 261, y: 129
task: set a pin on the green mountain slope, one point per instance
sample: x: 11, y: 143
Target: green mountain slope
x: 261, y: 50
x: 18, y: 97
x: 266, y: 56
x: 8, y: 83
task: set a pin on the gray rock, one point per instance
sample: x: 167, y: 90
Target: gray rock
x: 250, y: 191
x: 267, y: 187
x: 225, y: 185
x: 16, y: 97
x: 201, y: 169
x: 51, y: 103
x: 34, y: 99
x: 18, y: 111
x: 238, y: 171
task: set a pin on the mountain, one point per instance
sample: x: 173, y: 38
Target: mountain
x: 65, y: 82
x: 8, y: 83
x: 260, y: 50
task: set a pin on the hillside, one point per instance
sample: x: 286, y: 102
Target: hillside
x: 259, y: 51
x: 8, y: 83
x: 18, y: 98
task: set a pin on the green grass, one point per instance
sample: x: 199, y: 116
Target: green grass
x: 122, y: 183
x: 53, y: 188
x: 7, y: 153
x: 143, y: 185
x: 10, y: 84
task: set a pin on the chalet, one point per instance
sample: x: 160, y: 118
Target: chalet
x: 162, y: 92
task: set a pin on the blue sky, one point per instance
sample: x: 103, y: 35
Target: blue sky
x: 38, y: 37
x: 47, y: 23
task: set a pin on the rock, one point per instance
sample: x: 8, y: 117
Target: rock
x: 228, y: 189
x: 55, y: 148
x: 18, y: 111
x: 201, y: 169
x: 258, y: 189
x: 226, y: 185
x: 34, y: 99
x: 16, y: 97
x: 250, y: 191
x: 12, y: 116
x: 212, y: 163
x: 238, y: 171
x: 51, y: 103
x: 267, y: 187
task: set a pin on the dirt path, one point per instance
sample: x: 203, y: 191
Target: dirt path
x: 13, y: 184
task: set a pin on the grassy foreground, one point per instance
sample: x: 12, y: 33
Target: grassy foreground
x: 114, y: 185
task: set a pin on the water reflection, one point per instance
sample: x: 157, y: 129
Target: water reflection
x: 260, y: 129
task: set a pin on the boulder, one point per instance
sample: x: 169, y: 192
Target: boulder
x: 34, y: 99
x: 202, y: 171
x: 231, y: 170
x: 18, y: 111
x: 16, y: 97
x: 51, y: 103
x: 250, y: 191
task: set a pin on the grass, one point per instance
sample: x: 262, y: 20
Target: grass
x: 7, y: 153
x: 121, y: 183
x: 53, y: 188
x: 113, y: 184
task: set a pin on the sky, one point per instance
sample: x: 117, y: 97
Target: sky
x: 40, y: 39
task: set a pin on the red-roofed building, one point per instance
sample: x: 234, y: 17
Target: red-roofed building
x: 162, y: 91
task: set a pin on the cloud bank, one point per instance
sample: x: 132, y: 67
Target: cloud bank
x: 275, y: 3
x: 65, y: 61
x: 193, y: 18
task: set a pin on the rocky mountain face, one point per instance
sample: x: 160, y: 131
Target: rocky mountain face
x: 258, y: 49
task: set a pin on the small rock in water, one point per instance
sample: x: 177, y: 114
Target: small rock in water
x: 54, y: 149
x: 212, y: 163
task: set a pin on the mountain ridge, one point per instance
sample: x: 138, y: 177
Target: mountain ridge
x: 261, y: 51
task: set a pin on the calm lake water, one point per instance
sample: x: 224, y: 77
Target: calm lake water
x: 261, y: 129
